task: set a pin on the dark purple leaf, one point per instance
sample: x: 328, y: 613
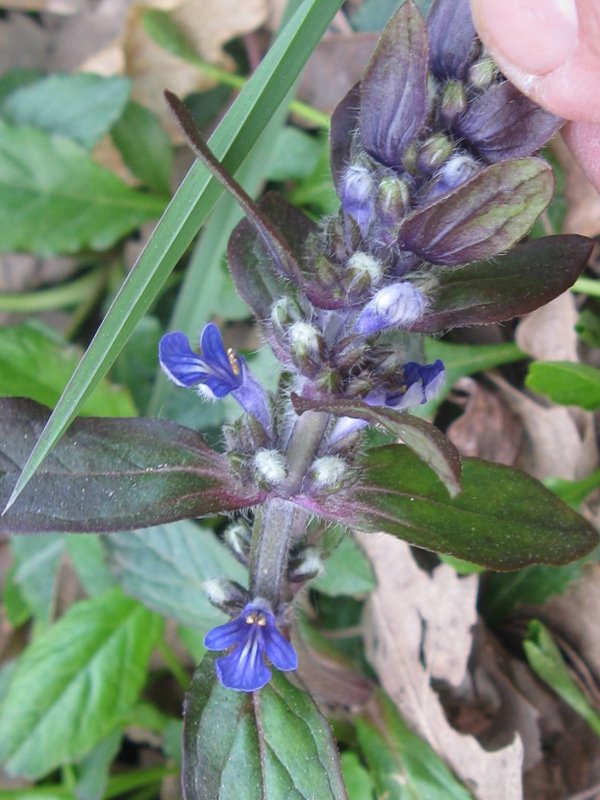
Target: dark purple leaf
x: 344, y: 122
x: 482, y: 218
x: 453, y: 41
x: 250, y: 261
x: 111, y: 474
x: 502, y: 123
x: 426, y: 441
x: 394, y: 88
x: 502, y: 519
x: 282, y: 256
x: 525, y: 278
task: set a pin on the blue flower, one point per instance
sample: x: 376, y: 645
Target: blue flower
x: 420, y: 383
x: 253, y: 635
x: 396, y: 305
x: 216, y: 373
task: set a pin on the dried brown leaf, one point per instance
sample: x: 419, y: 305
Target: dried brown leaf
x: 548, y: 333
x: 335, y: 66
x: 583, y: 201
x: 557, y: 442
x: 430, y: 636
x: 487, y: 428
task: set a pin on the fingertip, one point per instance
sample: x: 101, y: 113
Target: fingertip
x: 583, y: 140
x: 535, y: 36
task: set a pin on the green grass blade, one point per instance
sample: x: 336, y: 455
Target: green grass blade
x: 196, y: 296
x: 188, y: 209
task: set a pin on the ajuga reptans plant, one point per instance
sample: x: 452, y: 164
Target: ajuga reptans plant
x: 432, y: 159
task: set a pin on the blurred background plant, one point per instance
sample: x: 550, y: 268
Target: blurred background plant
x: 89, y: 158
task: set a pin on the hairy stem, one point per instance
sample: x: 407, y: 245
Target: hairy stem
x: 279, y: 521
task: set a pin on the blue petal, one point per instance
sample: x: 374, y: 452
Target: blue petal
x: 214, y: 353
x: 279, y: 651
x: 179, y: 362
x: 253, y: 398
x: 234, y: 632
x: 244, y: 669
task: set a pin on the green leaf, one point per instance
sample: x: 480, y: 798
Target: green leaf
x: 196, y: 196
x: 95, y: 768
x: 358, y: 781
x: 588, y: 327
x: 165, y: 567
x: 503, y: 519
x: 145, y: 146
x: 403, y: 766
x: 79, y: 106
x: 112, y: 474
x: 275, y: 740
x: 55, y: 199
x: 35, y: 363
x: 484, y: 217
x: 546, y: 661
x: 74, y: 683
x: 294, y: 156
x: 37, y: 559
x: 87, y: 555
x: 500, y: 593
x: 15, y: 606
x: 16, y: 78
x: 566, y: 382
x: 348, y: 571
x: 574, y: 492
x: 429, y: 444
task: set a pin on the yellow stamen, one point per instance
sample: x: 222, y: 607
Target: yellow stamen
x: 233, y: 361
x: 251, y: 619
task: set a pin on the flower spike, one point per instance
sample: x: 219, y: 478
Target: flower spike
x: 253, y: 635
x: 216, y: 373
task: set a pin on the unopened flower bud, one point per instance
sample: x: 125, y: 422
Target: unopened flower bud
x: 454, y: 101
x: 397, y: 305
x: 244, y: 435
x: 456, y: 171
x: 327, y: 474
x: 284, y: 312
x: 305, y: 565
x: 270, y: 468
x: 433, y: 152
x: 328, y: 381
x: 326, y: 271
x: 409, y: 158
x: 363, y: 271
x: 227, y: 595
x: 358, y: 195
x: 482, y: 73
x: 306, y: 346
x: 238, y: 537
x: 393, y: 198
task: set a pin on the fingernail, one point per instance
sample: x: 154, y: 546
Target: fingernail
x: 536, y: 36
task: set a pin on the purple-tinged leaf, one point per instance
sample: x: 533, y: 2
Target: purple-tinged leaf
x: 503, y: 519
x: 453, y: 41
x: 270, y: 744
x: 425, y: 440
x: 502, y: 123
x: 111, y: 474
x: 394, y: 88
x: 525, y: 278
x: 282, y: 256
x: 484, y: 217
x: 250, y: 261
x: 344, y: 122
